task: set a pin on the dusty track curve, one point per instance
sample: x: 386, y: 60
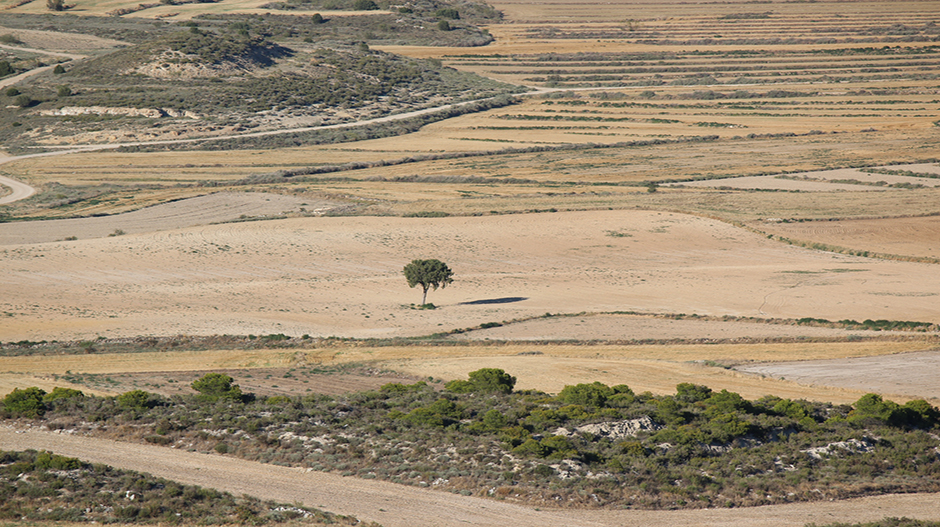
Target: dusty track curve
x: 396, y: 505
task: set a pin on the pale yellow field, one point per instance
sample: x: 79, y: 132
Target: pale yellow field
x: 654, y: 368
x: 342, y: 276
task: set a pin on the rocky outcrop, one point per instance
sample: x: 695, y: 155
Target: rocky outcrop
x: 152, y: 113
x: 614, y: 429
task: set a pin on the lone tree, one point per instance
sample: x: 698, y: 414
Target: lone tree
x: 428, y: 273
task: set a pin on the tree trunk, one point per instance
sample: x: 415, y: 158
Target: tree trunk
x: 424, y: 299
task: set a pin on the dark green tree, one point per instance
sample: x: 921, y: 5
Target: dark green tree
x: 215, y: 386
x: 429, y: 274
x: 485, y: 380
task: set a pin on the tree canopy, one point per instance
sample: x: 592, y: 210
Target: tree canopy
x: 429, y: 274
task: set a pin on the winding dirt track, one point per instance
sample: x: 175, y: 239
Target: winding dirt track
x: 396, y: 505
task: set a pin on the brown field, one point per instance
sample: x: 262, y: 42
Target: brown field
x: 889, y: 236
x: 342, y: 276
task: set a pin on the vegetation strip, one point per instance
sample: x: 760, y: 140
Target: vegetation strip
x: 591, y: 445
x: 43, y: 487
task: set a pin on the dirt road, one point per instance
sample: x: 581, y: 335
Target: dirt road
x: 396, y: 505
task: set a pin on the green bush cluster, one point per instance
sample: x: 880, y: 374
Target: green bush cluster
x: 45, y: 487
x: 698, y: 447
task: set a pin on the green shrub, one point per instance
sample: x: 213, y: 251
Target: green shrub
x: 594, y: 394
x: 494, y: 419
x: 530, y: 447
x: 48, y: 460
x: 399, y: 388
x: 448, y: 13
x: 443, y: 25
x: 62, y: 393
x: 691, y: 393
x: 277, y: 400
x: 136, y: 400
x: 364, y: 5
x: 58, y: 70
x: 485, y: 380
x: 872, y: 406
x: 215, y: 386
x: 26, y: 402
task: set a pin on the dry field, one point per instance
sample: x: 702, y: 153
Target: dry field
x: 342, y: 276
x: 903, y: 236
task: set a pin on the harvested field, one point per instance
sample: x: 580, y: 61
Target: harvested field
x: 638, y: 327
x: 61, y: 42
x: 204, y: 210
x: 902, y: 236
x: 342, y: 276
x: 848, y: 179
x: 889, y: 374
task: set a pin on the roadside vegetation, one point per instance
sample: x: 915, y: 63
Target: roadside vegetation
x: 45, y: 487
x: 590, y: 445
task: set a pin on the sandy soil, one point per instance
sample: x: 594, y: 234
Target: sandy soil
x: 901, y: 236
x: 639, y: 327
x: 342, y: 276
x: 825, y: 180
x: 777, y: 183
x: 59, y: 41
x: 901, y: 374
x: 397, y: 505
x: 203, y: 210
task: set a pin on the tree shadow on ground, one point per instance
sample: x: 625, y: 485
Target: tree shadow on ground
x: 504, y: 300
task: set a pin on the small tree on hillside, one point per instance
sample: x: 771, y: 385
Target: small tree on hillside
x: 428, y: 273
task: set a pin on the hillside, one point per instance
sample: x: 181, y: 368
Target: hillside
x: 230, y: 74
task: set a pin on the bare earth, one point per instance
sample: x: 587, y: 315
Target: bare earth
x: 638, y: 327
x: 204, y: 210
x: 342, y: 276
x: 901, y: 236
x: 890, y: 374
x: 398, y: 505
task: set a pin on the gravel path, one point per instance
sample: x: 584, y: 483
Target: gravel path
x: 396, y: 505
